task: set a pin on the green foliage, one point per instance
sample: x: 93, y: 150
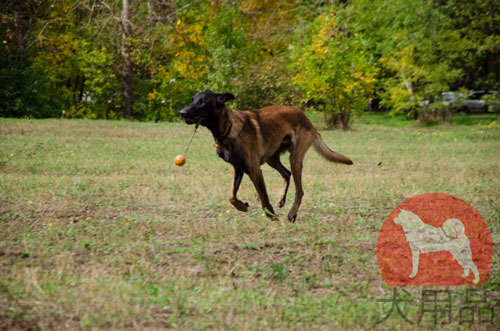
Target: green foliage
x: 65, y: 59
x: 264, y: 83
x: 22, y: 93
x: 333, y: 69
x: 101, y: 96
x: 185, y: 72
x: 56, y: 56
x: 226, y: 46
x: 492, y: 101
x: 421, y: 60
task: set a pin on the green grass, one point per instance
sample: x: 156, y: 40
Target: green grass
x: 386, y: 119
x: 101, y: 230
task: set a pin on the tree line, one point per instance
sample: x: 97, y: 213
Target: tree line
x: 143, y: 60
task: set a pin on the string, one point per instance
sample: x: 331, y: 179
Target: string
x: 190, y: 140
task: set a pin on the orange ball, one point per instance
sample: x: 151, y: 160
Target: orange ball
x: 180, y: 160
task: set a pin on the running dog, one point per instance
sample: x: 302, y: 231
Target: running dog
x: 248, y: 139
x: 424, y: 238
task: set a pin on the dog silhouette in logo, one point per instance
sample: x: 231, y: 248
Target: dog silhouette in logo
x: 425, y: 238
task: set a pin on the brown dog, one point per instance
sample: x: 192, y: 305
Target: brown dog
x: 248, y: 139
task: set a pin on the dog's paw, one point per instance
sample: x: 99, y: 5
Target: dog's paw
x: 292, y: 218
x: 269, y: 211
x: 273, y: 217
x: 240, y: 205
x: 243, y: 206
x: 281, y: 203
x: 412, y: 276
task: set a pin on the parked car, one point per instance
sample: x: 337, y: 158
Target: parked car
x: 451, y: 99
x: 475, y: 102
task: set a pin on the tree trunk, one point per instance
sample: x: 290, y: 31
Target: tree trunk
x: 127, y: 63
x: 339, y: 120
x: 19, y: 32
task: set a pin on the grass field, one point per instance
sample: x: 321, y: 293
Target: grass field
x: 101, y: 230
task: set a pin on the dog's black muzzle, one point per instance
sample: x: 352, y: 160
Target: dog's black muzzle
x: 188, y: 115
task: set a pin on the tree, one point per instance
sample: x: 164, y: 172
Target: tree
x: 422, y: 59
x: 24, y: 83
x: 333, y: 70
x: 134, y: 53
x: 426, y: 47
x: 126, y: 61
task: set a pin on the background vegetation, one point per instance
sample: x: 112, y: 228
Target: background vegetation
x: 108, y: 59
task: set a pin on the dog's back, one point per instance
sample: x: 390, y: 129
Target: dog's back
x: 280, y: 120
x: 282, y: 125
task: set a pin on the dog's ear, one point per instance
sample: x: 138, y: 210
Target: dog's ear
x: 222, y: 98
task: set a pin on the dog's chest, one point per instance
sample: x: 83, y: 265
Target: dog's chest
x: 229, y: 152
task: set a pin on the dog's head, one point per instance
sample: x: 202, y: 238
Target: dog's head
x: 204, y: 106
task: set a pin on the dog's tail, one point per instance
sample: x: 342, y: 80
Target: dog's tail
x: 454, y: 228
x: 327, y: 153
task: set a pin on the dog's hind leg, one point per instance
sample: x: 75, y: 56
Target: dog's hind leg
x: 297, y: 153
x: 275, y: 163
x: 237, y: 177
x: 296, y: 164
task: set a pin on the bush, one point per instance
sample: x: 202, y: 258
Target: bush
x: 263, y: 84
x: 23, y: 92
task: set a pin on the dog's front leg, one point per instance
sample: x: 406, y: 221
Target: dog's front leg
x: 258, y: 181
x: 415, y: 255
x: 237, y: 177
